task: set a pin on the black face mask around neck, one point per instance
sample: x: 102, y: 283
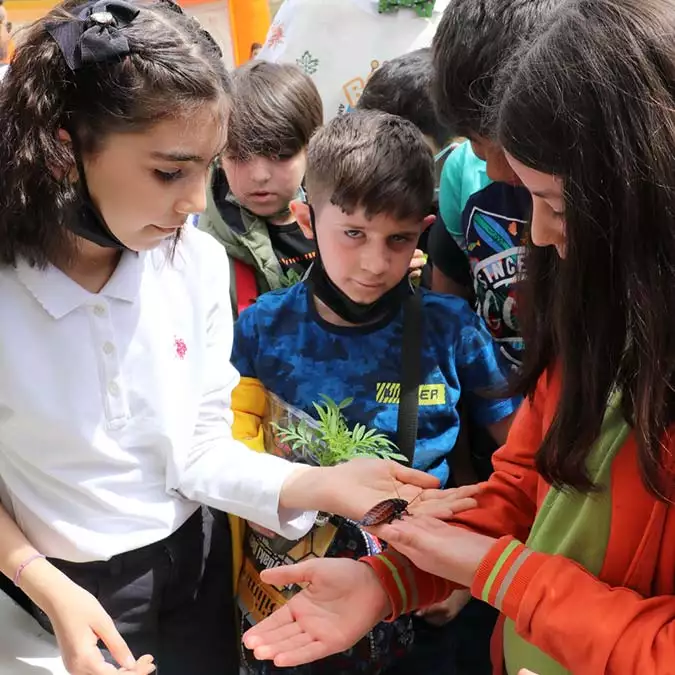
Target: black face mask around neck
x: 88, y: 222
x: 339, y: 302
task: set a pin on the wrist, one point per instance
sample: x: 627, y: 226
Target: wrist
x: 304, y: 489
x: 41, y: 582
x: 470, y: 553
x: 26, y: 562
x: 381, y: 598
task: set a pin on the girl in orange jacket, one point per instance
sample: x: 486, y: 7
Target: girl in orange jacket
x: 574, y: 537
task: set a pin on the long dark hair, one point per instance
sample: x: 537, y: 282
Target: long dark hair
x: 173, y: 68
x: 593, y: 102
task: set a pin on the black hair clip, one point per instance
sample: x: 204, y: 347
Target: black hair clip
x: 94, y: 36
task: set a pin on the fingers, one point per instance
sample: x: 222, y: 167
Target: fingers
x: 427, y: 610
x: 403, y: 540
x: 270, y: 651
x: 261, y: 530
x: 438, y: 619
x: 405, y: 474
x: 257, y: 635
x: 289, y: 574
x: 462, y: 505
x: 443, y: 504
x: 450, y: 493
x: 412, y: 535
x: 144, y: 666
x: 418, y: 527
x: 308, y: 654
x: 466, y: 491
x: 108, y: 634
x: 88, y: 661
x: 441, y: 509
x: 280, y: 635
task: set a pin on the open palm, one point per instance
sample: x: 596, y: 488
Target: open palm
x: 321, y: 619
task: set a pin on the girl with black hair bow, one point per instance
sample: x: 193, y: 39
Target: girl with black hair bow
x: 115, y: 336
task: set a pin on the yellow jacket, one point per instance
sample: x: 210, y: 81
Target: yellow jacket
x: 249, y: 400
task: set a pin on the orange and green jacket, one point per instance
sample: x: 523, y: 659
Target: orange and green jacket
x: 618, y: 618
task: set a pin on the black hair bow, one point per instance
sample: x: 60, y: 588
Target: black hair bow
x: 94, y: 35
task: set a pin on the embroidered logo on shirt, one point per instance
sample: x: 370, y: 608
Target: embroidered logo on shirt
x: 181, y: 348
x: 429, y: 394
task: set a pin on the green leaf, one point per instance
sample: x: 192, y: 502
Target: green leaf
x: 333, y: 442
x: 346, y: 403
x: 398, y: 457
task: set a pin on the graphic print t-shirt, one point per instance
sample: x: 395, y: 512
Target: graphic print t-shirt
x: 282, y: 342
x: 293, y: 250
x: 488, y: 219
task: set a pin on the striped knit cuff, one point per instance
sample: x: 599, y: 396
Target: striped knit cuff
x: 504, y: 575
x: 408, y: 587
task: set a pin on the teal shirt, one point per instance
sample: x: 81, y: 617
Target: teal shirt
x: 488, y: 220
x: 463, y: 176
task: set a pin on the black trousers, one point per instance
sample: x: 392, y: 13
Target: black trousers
x: 172, y: 599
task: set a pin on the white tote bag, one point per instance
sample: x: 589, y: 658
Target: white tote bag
x: 339, y: 43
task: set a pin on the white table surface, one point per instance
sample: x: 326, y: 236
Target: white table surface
x: 25, y: 649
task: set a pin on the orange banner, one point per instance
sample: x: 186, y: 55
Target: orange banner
x: 26, y: 11
x: 249, y: 22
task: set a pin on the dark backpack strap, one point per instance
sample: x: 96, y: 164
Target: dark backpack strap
x: 411, y: 364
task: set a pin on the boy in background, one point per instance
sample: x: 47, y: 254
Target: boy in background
x: 276, y: 109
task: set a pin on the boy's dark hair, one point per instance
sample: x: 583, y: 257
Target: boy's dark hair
x: 592, y: 102
x: 173, y: 69
x: 402, y: 87
x: 474, y: 40
x: 372, y: 160
x: 276, y: 109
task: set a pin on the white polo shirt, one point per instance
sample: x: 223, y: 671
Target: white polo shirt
x: 115, y: 414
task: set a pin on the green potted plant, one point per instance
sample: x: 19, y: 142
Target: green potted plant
x: 331, y: 441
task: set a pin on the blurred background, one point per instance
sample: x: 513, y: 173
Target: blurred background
x: 235, y: 24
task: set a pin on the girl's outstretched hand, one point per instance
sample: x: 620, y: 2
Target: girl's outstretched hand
x: 353, y: 488
x: 444, y: 504
x: 320, y: 620
x: 437, y: 547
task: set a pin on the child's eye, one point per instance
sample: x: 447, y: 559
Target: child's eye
x: 353, y: 234
x: 400, y: 239
x: 167, y: 176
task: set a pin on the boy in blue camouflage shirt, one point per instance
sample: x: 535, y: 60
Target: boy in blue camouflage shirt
x: 370, y: 184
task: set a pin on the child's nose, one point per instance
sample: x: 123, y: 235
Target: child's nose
x: 260, y: 170
x: 375, y: 261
